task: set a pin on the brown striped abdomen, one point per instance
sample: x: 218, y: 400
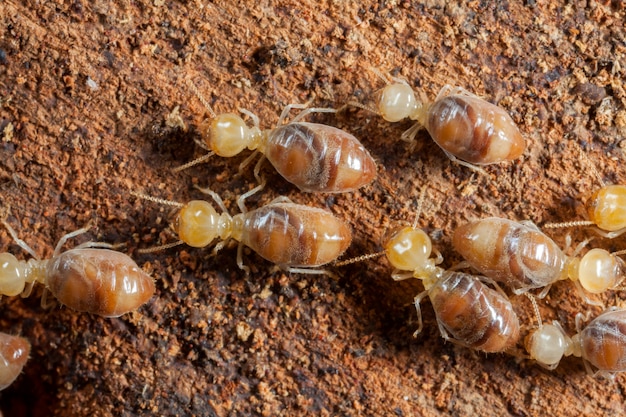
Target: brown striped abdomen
x: 98, y: 281
x: 512, y: 253
x: 474, y: 314
x: 603, y: 341
x: 319, y: 158
x: 474, y: 130
x: 293, y: 235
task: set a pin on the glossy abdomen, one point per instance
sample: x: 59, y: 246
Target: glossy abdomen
x: 319, y: 158
x: 474, y: 130
x: 14, y: 351
x: 512, y: 253
x: 603, y: 341
x: 293, y: 235
x: 474, y: 314
x: 98, y: 281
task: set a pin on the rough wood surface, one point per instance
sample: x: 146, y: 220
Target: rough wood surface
x: 88, y: 92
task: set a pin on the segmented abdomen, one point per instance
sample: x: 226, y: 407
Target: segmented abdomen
x: 319, y: 158
x: 474, y: 130
x: 512, y: 253
x: 293, y: 235
x: 98, y: 281
x: 473, y: 313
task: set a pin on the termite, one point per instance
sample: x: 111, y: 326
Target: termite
x: 469, y: 312
x: 522, y: 257
x: 98, y: 281
x: 470, y: 130
x: 601, y: 343
x: 314, y: 157
x: 14, y: 351
x: 295, y: 237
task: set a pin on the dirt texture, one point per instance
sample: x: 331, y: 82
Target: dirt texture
x: 94, y: 103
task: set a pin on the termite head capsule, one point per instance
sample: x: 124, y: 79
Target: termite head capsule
x: 12, y: 275
x: 227, y: 134
x: 548, y: 344
x: 397, y: 102
x: 408, y: 249
x: 198, y: 224
x: 598, y: 271
x: 607, y: 208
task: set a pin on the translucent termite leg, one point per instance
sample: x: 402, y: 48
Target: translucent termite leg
x: 311, y: 271
x: 68, y: 236
x: 215, y: 197
x: 242, y: 198
x: 473, y: 167
x: 609, y: 235
x: 308, y: 111
x: 248, y: 160
x: 409, y: 134
x: 416, y: 301
x: 398, y: 275
x: 240, y: 264
x: 487, y: 280
x: 287, y: 109
x: 4, y: 213
x: 585, y: 297
x: 254, y: 117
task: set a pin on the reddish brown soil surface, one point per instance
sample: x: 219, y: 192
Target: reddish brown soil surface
x: 87, y: 91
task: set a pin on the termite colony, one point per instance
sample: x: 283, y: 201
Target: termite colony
x: 471, y: 309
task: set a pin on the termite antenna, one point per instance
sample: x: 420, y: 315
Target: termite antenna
x: 535, y: 308
x: 200, y: 97
x: 420, y: 203
x: 159, y: 248
x: 157, y: 200
x: 576, y: 223
x: 359, y: 259
x: 195, y: 162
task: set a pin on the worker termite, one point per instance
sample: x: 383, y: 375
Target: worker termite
x: 294, y: 237
x: 14, y: 351
x: 98, y: 281
x: 601, y: 344
x: 468, y: 311
x: 522, y: 257
x: 314, y: 157
x: 606, y: 209
x: 465, y: 126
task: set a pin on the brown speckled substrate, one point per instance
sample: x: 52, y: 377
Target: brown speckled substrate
x: 88, y: 92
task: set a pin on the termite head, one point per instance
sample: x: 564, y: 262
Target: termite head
x: 228, y: 134
x: 408, y: 248
x: 198, y: 224
x: 397, y: 102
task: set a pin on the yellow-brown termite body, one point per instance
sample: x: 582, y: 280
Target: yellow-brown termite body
x: 468, y: 311
x: 522, y: 257
x: 314, y: 157
x: 601, y: 343
x: 465, y: 126
x: 295, y: 237
x: 98, y: 281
